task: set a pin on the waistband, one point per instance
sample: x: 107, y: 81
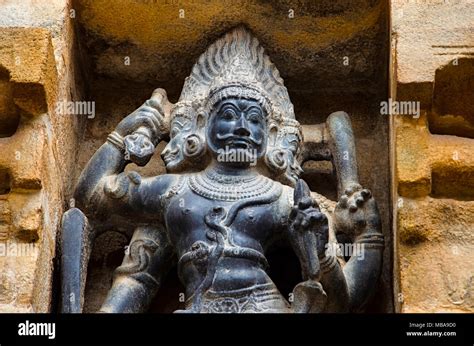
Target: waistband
x: 201, y: 250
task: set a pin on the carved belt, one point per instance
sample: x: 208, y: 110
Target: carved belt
x: 200, y: 251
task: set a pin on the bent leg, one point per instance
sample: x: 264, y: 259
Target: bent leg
x: 147, y: 260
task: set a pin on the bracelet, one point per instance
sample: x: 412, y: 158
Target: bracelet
x: 117, y: 140
x: 371, y: 240
x: 327, y: 263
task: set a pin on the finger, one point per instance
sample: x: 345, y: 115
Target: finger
x: 305, y: 203
x: 359, y: 201
x: 366, y: 193
x: 293, y: 213
x: 153, y: 115
x: 152, y: 112
x: 353, y: 188
x: 316, y: 217
x: 343, y: 201
x: 297, y: 221
x: 305, y: 223
x: 301, y: 190
x: 147, y: 121
x: 155, y: 104
x: 352, y: 208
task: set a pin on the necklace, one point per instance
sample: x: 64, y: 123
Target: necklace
x: 213, y: 185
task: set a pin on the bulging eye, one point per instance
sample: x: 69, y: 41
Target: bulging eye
x: 254, y: 118
x: 173, y: 133
x: 229, y: 114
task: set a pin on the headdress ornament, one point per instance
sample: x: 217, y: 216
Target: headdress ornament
x: 236, y: 66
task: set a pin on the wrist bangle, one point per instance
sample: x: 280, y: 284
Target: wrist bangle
x: 117, y: 140
x: 374, y: 240
x: 327, y: 263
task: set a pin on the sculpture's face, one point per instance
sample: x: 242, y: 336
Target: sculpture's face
x: 237, y: 125
x: 293, y: 169
x: 173, y: 155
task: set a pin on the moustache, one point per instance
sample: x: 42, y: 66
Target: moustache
x: 247, y: 139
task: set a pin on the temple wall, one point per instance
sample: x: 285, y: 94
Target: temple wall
x: 432, y: 48
x: 37, y: 147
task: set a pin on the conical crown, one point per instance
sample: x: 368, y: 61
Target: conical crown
x: 236, y: 65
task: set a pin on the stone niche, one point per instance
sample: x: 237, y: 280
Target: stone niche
x: 332, y: 54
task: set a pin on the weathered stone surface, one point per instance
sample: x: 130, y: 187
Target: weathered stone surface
x: 308, y: 39
x: 27, y: 55
x: 429, y: 34
x: 453, y: 109
x: 434, y: 167
x: 38, y: 146
x: 433, y: 164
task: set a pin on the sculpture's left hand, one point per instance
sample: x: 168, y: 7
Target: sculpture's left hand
x: 356, y: 212
x: 306, y: 217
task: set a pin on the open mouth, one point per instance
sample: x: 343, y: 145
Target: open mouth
x: 239, y: 143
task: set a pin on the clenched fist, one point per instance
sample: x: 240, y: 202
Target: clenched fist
x: 356, y: 212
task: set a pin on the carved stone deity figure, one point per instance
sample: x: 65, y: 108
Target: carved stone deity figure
x: 231, y: 192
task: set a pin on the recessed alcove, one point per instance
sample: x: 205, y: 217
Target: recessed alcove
x: 125, y: 58
x: 4, y: 181
x: 9, y: 115
x: 453, y: 95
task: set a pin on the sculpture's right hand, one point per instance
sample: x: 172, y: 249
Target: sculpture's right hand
x: 150, y: 115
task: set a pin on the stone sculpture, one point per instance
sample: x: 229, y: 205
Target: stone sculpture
x: 231, y: 191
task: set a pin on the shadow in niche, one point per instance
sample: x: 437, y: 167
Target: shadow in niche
x: 453, y: 92
x: 9, y: 115
x: 170, y: 297
x: 320, y: 178
x: 5, y: 182
x: 285, y: 269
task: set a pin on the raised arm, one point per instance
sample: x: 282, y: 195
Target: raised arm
x: 356, y: 215
x: 103, y: 187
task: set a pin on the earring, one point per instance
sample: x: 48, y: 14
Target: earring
x: 276, y: 160
x: 193, y: 146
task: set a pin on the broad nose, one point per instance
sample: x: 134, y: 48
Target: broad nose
x: 241, y: 127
